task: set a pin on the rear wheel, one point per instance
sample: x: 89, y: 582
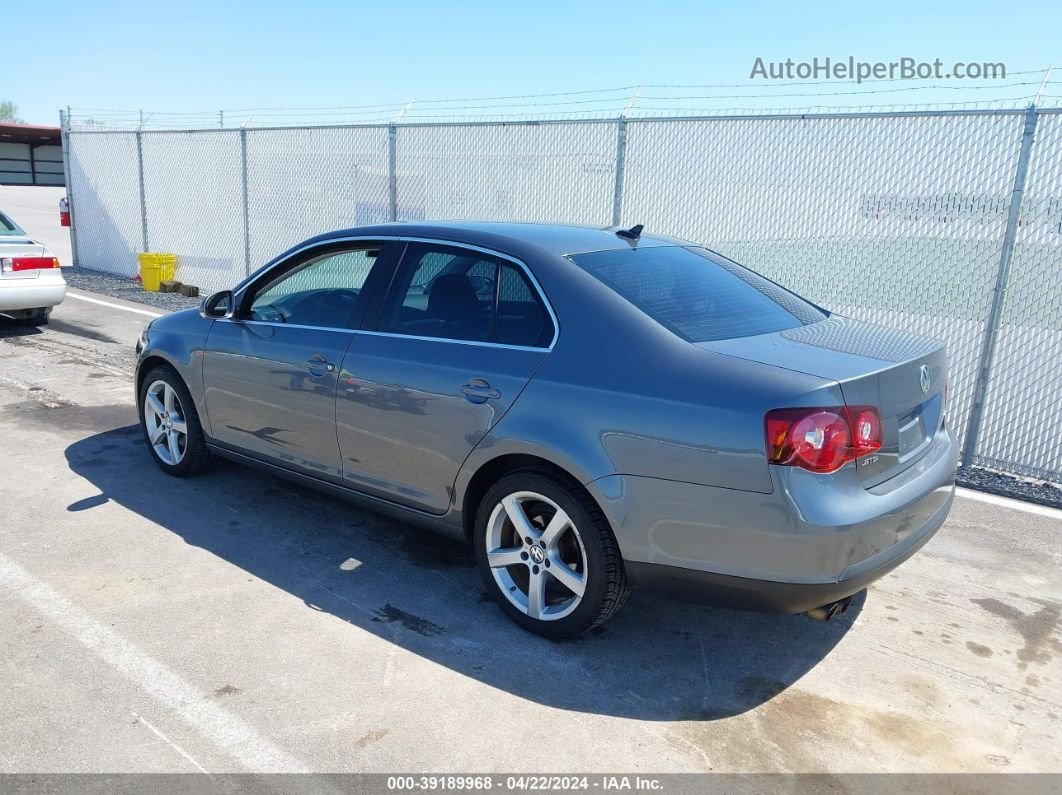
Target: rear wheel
x: 171, y: 425
x: 35, y: 317
x: 548, y: 556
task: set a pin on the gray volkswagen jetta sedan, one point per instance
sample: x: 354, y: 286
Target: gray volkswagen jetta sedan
x: 590, y: 408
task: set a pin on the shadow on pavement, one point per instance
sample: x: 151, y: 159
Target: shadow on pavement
x: 9, y: 327
x: 657, y: 660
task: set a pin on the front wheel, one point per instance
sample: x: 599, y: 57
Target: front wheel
x: 548, y: 556
x: 171, y: 424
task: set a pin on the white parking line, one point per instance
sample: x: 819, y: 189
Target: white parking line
x: 113, y: 306
x: 1007, y: 502
x: 231, y: 734
x: 144, y: 722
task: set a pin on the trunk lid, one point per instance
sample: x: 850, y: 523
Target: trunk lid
x: 20, y: 247
x: 903, y: 375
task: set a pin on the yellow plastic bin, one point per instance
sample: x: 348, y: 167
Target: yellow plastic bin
x: 155, y: 269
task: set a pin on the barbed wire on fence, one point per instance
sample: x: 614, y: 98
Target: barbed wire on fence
x: 644, y: 101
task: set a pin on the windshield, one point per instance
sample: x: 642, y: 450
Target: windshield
x: 9, y: 227
x: 698, y: 294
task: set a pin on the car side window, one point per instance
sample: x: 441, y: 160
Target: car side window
x: 522, y: 318
x: 443, y: 292
x: 325, y: 291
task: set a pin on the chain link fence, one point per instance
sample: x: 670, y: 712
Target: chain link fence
x: 906, y: 219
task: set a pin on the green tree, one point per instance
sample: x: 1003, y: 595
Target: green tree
x: 9, y: 112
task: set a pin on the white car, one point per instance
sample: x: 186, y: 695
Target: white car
x: 31, y: 282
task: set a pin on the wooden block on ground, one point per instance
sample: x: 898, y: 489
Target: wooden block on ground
x: 189, y: 290
x: 169, y: 287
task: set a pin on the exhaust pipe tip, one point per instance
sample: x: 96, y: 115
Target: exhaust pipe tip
x: 826, y: 612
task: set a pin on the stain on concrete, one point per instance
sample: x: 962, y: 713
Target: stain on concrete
x: 424, y: 550
x: 389, y: 614
x: 924, y: 689
x: 978, y: 649
x: 227, y: 690
x: 796, y: 725
x: 368, y: 739
x: 1039, y: 629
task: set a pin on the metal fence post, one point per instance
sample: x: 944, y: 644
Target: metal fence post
x: 392, y: 172
x: 246, y: 207
x: 995, y: 312
x: 64, y: 137
x: 143, y: 201
x: 621, y: 160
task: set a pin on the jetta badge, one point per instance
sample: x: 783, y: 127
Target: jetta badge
x: 923, y: 378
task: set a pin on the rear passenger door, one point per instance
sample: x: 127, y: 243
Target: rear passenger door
x: 459, y: 335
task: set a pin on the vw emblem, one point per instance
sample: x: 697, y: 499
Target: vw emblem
x: 923, y: 378
x: 537, y: 554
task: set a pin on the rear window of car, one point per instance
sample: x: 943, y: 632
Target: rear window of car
x: 9, y: 227
x: 698, y: 294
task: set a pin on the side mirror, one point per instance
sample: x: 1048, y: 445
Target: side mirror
x: 219, y: 304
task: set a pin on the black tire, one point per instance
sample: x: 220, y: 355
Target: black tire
x: 606, y: 587
x: 196, y: 456
x: 40, y: 317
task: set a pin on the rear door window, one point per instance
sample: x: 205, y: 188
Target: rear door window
x: 697, y: 294
x: 447, y: 292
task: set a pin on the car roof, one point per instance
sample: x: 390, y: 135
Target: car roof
x: 558, y: 239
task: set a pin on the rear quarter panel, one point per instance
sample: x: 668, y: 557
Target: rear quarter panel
x: 648, y: 403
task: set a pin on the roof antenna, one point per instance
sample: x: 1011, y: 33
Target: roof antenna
x: 633, y: 233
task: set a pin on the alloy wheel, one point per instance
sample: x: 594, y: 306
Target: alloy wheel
x: 536, y: 556
x: 164, y: 419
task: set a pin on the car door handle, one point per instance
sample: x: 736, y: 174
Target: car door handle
x: 478, y: 390
x: 319, y: 365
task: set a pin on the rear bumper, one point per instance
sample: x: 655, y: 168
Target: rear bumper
x: 814, y: 539
x: 39, y: 293
x: 692, y: 585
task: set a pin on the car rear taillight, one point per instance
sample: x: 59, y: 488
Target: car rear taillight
x: 14, y: 264
x: 822, y: 439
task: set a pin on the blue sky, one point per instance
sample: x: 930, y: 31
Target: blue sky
x: 193, y: 55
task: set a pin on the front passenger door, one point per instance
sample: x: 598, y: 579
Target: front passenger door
x: 270, y: 372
